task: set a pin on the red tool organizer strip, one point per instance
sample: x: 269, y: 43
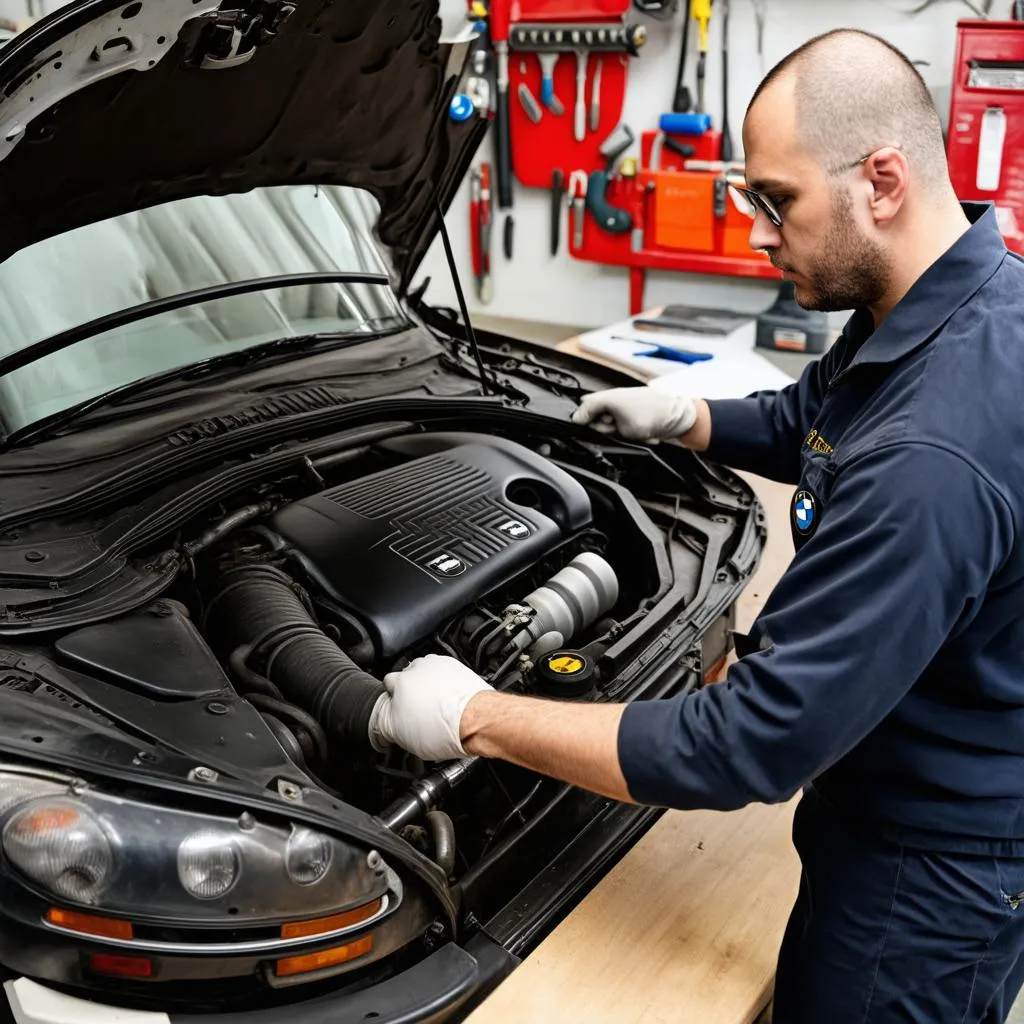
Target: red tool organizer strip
x: 565, y: 10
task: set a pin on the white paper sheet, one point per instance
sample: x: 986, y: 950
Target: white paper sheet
x: 732, y: 376
x: 736, y: 369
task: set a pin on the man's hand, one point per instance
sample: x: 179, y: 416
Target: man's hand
x: 429, y: 706
x: 639, y: 413
x: 422, y: 709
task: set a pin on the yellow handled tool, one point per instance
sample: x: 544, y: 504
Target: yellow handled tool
x: 700, y: 11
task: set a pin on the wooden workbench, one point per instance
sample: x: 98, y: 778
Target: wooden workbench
x: 685, y: 929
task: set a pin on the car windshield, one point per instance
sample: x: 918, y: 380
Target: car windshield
x: 93, y: 271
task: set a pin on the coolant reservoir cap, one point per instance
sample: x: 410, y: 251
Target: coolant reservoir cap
x: 564, y: 673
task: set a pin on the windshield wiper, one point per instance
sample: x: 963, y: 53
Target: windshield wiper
x: 50, y: 425
x: 110, y: 321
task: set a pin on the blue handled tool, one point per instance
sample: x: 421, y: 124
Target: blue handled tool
x: 547, y: 82
x: 684, y: 124
x: 677, y: 355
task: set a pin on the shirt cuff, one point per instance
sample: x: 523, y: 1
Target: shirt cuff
x: 736, y: 424
x: 641, y: 727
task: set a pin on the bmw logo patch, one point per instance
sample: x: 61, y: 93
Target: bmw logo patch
x: 805, y: 511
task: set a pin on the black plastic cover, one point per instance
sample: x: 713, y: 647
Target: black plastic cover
x: 404, y: 548
x: 156, y: 651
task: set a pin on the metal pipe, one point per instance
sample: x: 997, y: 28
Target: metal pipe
x: 425, y: 794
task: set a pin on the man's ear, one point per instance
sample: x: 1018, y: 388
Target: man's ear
x: 888, y: 172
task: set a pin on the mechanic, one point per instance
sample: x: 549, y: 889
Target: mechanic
x: 885, y: 674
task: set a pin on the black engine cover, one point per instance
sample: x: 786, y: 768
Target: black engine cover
x: 404, y: 548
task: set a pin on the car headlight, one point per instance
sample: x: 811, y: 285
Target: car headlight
x: 308, y: 856
x: 82, y: 846
x: 208, y: 864
x: 61, y: 846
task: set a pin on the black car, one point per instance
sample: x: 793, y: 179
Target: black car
x: 247, y: 470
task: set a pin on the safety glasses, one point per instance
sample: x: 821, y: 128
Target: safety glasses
x: 761, y: 202
x: 758, y: 202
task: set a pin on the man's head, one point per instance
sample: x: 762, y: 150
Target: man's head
x: 843, y: 140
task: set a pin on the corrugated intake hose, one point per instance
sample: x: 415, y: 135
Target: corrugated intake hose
x: 257, y: 606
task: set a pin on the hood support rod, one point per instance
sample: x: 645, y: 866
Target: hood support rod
x: 450, y: 257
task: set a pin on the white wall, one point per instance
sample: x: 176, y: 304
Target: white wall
x: 537, y: 286
x: 15, y: 10
x: 560, y: 289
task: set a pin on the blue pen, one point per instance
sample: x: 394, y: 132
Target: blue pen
x: 677, y: 355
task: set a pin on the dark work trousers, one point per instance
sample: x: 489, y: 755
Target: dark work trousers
x: 882, y: 933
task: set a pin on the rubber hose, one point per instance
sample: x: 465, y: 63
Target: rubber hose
x: 442, y: 832
x: 288, y: 740
x: 257, y: 605
x: 296, y: 717
x: 249, y: 681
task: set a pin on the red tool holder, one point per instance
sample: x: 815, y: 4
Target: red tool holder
x: 674, y: 232
x: 723, y: 238
x: 985, y: 142
x: 567, y: 10
x: 539, y: 148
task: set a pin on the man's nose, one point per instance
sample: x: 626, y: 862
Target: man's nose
x: 763, y: 233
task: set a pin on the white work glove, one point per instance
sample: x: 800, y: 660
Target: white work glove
x: 637, y: 413
x: 422, y: 709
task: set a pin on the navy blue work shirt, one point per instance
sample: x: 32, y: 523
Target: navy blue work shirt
x: 887, y: 665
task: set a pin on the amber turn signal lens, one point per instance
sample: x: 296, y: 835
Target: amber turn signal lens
x: 121, y: 966
x: 90, y: 924
x: 322, y: 925
x: 48, y: 819
x: 325, y: 958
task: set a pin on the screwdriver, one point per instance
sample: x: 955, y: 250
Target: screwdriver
x: 652, y: 350
x: 700, y: 11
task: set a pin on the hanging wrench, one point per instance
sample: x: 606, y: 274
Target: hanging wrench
x: 595, y: 93
x: 580, y: 126
x: 577, y: 192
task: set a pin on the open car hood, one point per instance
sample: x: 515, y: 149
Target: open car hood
x: 107, y: 108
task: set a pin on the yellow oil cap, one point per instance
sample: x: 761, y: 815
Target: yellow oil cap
x: 566, y: 664
x: 565, y: 674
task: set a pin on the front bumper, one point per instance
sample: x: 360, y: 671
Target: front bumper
x: 443, y: 987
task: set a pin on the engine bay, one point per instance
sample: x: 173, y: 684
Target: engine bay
x: 553, y: 567
x: 521, y: 565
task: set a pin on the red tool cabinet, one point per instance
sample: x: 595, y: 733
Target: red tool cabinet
x: 985, y: 141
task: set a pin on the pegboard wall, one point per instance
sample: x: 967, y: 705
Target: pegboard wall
x: 538, y: 286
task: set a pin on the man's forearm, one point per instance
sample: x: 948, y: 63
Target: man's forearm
x: 698, y: 437
x: 577, y: 743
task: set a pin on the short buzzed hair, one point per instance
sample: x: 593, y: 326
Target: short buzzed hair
x: 856, y: 92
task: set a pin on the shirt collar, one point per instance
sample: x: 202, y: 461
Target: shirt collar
x: 935, y: 296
